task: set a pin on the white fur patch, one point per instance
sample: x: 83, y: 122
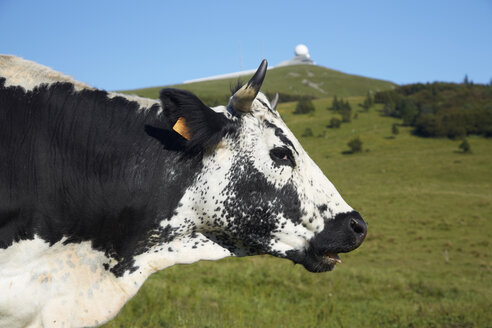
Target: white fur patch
x: 28, y: 74
x: 59, y: 285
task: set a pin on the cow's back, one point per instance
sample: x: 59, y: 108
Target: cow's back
x: 61, y: 151
x: 77, y: 163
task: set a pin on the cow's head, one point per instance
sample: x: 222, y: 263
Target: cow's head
x: 258, y: 191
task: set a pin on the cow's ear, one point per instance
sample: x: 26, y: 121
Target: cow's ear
x: 198, y: 124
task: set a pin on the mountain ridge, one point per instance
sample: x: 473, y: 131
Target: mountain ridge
x: 291, y: 82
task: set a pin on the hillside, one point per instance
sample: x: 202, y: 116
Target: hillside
x: 426, y: 261
x: 289, y: 81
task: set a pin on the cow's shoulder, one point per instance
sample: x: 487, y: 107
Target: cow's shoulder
x: 40, y: 281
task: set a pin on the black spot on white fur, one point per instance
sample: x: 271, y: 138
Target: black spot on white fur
x: 279, y: 133
x: 252, y: 209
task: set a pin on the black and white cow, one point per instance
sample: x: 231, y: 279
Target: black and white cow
x: 99, y: 190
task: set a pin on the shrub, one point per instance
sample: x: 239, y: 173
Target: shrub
x: 304, y: 106
x: 355, y: 145
x: 427, y: 125
x: 341, y: 107
x: 368, y: 102
x: 394, y: 129
x: 465, y: 146
x: 335, y: 105
x: 346, y: 114
x: 389, y: 109
x: 307, y: 133
x: 407, y: 111
x: 335, y: 123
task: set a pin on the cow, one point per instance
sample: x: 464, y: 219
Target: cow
x: 99, y: 190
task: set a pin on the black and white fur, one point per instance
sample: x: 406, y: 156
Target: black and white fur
x: 97, y: 192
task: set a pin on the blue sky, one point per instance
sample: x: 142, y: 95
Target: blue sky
x: 123, y: 45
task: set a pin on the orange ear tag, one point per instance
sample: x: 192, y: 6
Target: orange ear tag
x: 181, y: 128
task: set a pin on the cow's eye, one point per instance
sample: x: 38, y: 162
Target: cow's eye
x: 282, y: 156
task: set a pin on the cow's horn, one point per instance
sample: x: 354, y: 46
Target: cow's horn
x: 274, y: 102
x: 243, y: 98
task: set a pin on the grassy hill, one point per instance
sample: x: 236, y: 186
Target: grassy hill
x: 426, y: 261
x: 301, y: 80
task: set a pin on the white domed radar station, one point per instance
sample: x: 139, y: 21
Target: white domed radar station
x: 301, y: 57
x: 301, y: 50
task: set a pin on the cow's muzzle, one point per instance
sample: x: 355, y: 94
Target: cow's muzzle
x: 342, y: 234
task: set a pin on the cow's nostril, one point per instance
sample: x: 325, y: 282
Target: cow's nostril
x: 357, y: 226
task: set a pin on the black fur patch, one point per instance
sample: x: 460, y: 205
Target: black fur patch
x: 342, y: 234
x: 169, y: 138
x: 206, y: 126
x: 252, y: 208
x: 280, y: 133
x: 81, y: 165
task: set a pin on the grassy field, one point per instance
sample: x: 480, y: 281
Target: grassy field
x: 302, y: 80
x: 426, y: 261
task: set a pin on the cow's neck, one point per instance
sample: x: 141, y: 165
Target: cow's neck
x: 98, y: 176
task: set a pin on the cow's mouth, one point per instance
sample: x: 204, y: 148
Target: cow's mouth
x: 314, y: 262
x: 342, y: 234
x: 332, y: 258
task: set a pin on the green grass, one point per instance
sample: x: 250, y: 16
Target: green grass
x: 302, y: 80
x: 426, y: 261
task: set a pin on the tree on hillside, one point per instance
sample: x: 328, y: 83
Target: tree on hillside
x: 334, y: 104
x: 408, y: 111
x: 346, y: 111
x: 465, y: 146
x: 304, y: 106
x: 389, y: 108
x: 307, y: 133
x: 343, y: 108
x: 394, y: 129
x: 346, y: 114
x: 334, y: 123
x: 355, y: 145
x: 466, y: 81
x: 368, y: 102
